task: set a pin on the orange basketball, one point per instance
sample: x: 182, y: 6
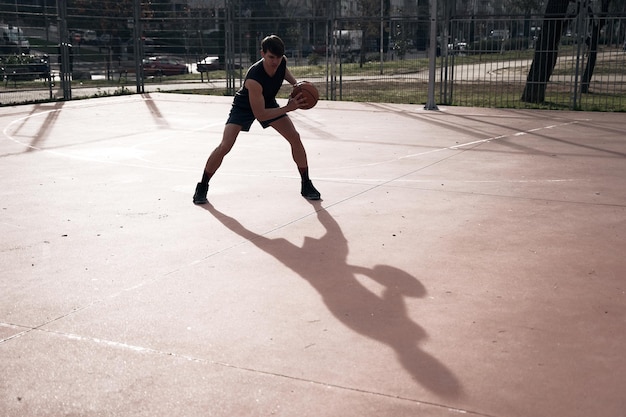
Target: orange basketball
x: 309, y: 93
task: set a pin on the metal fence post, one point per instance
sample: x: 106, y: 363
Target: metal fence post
x: 581, y: 33
x: 137, y: 46
x: 64, y: 51
x: 432, y: 57
x: 382, y: 28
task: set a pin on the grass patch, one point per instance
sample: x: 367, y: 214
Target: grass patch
x: 405, y: 81
x: 469, y: 95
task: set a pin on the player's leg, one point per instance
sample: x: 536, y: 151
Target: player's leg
x: 285, y: 127
x: 231, y: 131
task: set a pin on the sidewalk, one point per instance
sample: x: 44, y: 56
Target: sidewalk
x: 465, y: 261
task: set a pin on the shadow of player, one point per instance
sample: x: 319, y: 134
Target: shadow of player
x: 323, y: 263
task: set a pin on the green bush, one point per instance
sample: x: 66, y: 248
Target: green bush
x: 313, y: 59
x: 20, y: 59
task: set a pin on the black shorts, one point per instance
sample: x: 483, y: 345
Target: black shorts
x: 244, y: 118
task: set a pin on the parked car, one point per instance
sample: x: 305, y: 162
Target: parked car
x: 212, y: 63
x: 164, y: 65
x: 104, y: 40
x: 12, y: 40
x: 90, y: 37
x: 76, y: 37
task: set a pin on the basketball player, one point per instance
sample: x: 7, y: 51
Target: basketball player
x: 257, y: 100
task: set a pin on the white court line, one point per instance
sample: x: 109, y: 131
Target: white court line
x: 189, y: 169
x: 11, y: 225
x: 448, y: 181
x: 243, y: 368
x: 78, y: 157
x: 453, y: 148
x: 493, y: 138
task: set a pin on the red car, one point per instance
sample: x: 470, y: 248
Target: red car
x: 164, y: 65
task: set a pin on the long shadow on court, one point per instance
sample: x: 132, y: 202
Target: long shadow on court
x: 323, y: 263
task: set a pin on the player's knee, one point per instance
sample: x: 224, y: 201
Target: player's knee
x: 225, y: 146
x: 294, y: 138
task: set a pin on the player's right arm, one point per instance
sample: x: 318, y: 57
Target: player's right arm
x: 257, y: 102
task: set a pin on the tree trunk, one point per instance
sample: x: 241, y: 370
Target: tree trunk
x: 546, y: 52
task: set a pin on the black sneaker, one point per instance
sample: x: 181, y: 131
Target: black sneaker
x: 309, y: 192
x: 199, y: 196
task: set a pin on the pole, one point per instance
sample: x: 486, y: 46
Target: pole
x: 64, y: 50
x: 432, y: 57
x: 229, y: 48
x: 382, y: 28
x: 138, y: 46
x: 332, y: 28
x: 581, y: 32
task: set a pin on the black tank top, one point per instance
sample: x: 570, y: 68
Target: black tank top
x: 270, y: 85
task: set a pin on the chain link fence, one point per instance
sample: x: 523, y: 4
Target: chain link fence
x: 60, y: 52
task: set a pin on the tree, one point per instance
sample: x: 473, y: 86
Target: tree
x: 546, y: 51
x: 111, y: 16
x: 370, y: 10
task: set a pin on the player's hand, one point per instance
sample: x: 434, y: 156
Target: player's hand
x: 296, y: 102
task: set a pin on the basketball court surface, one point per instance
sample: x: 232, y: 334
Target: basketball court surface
x: 461, y: 262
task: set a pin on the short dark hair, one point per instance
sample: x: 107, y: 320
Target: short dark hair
x: 273, y: 44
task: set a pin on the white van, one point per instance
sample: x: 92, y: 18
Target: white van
x: 500, y: 34
x: 12, y: 40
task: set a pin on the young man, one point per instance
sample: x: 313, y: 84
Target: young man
x: 257, y: 100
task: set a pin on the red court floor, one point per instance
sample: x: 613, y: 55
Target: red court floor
x: 462, y: 262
